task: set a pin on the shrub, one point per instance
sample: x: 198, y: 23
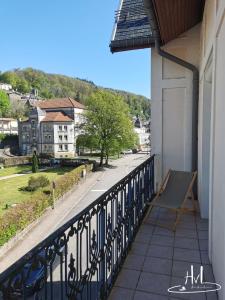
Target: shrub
x: 15, y: 161
x: 34, y: 163
x: 35, y: 183
x: 17, y: 218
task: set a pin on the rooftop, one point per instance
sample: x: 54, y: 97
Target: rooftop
x: 56, y: 117
x: 138, y: 23
x: 60, y: 103
x: 132, y: 29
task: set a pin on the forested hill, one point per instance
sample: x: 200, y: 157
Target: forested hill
x: 54, y: 85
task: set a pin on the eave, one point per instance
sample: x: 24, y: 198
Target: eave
x: 138, y: 23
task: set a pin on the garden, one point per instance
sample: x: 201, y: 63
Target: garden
x: 24, y: 199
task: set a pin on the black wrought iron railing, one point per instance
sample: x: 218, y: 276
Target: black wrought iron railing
x: 81, y: 260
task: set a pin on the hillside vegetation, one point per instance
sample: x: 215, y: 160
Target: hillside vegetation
x: 54, y: 85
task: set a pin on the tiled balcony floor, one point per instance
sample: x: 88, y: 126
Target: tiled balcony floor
x: 160, y: 258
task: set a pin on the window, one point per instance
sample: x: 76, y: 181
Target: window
x: 65, y: 127
x: 60, y: 148
x: 66, y: 137
x: 46, y: 137
x: 45, y: 147
x: 60, y: 127
x: 60, y: 137
x: 66, y: 147
x: 49, y: 137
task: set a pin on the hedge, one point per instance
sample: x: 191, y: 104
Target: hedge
x: 19, y: 217
x: 15, y: 161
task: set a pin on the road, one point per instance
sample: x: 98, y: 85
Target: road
x: 120, y: 168
x: 77, y: 244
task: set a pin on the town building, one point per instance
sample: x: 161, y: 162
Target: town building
x: 143, y: 133
x: 52, y: 128
x: 8, y: 126
x: 5, y: 86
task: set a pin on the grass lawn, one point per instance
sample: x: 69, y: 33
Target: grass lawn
x: 14, y: 170
x: 10, y: 188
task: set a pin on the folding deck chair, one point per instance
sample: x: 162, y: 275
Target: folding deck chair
x: 175, y: 190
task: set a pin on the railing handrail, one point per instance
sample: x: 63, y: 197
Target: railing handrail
x: 51, y: 238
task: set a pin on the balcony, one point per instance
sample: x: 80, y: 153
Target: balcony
x: 111, y: 251
x: 159, y: 259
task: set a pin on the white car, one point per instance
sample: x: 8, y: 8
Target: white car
x: 128, y: 151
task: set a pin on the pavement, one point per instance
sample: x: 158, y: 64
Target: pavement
x: 86, y: 192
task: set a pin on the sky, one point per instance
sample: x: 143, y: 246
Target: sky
x: 70, y: 37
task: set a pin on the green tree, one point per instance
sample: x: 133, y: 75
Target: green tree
x: 34, y: 163
x: 108, y: 122
x: 87, y: 141
x: 4, y: 104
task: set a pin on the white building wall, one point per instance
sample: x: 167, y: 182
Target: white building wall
x: 171, y: 120
x: 8, y: 126
x: 69, y: 132
x: 171, y: 126
x: 212, y: 105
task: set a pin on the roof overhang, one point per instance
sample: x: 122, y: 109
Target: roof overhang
x: 176, y: 16
x: 138, y: 23
x: 132, y: 29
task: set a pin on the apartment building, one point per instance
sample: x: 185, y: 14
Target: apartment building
x: 8, y: 126
x: 52, y: 128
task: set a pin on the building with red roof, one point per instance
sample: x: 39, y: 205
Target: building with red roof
x: 52, y: 128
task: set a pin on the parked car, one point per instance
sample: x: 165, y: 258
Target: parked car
x: 34, y: 272
x: 128, y: 151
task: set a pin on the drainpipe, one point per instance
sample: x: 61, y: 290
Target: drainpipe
x: 195, y: 96
x: 195, y: 89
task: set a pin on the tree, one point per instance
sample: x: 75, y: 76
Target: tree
x: 4, y: 104
x: 18, y: 109
x: 87, y: 141
x: 109, y: 123
x: 34, y: 163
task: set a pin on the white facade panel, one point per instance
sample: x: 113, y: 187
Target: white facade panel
x: 171, y: 107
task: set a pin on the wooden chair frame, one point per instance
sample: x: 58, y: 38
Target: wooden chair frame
x: 179, y: 211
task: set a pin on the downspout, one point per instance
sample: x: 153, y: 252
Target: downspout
x: 195, y: 87
x: 195, y: 96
